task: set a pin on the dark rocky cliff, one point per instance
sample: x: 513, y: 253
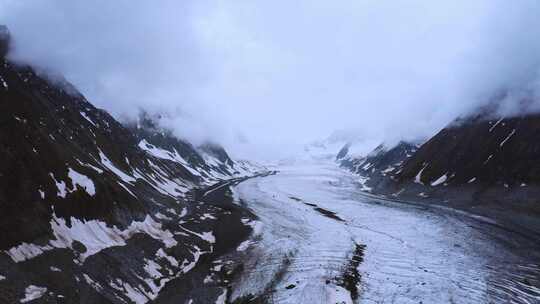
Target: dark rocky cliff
x: 92, y: 211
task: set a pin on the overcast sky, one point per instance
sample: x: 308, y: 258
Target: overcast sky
x: 267, y: 76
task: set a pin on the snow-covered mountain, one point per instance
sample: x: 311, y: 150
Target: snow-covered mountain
x: 375, y: 167
x: 93, y: 211
x: 332, y: 145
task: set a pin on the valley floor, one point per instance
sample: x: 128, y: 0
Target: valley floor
x: 319, y: 239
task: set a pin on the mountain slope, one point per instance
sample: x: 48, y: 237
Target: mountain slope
x: 489, y: 152
x: 484, y: 163
x: 381, y: 164
x: 90, y: 213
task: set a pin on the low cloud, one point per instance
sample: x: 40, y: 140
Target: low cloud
x: 264, y: 77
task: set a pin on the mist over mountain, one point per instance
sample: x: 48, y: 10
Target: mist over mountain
x: 228, y: 72
x: 249, y: 152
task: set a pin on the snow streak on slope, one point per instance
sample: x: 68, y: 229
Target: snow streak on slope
x: 313, y: 216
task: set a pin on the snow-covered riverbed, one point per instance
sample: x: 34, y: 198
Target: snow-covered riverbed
x: 313, y: 217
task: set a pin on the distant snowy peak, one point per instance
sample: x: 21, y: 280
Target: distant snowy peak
x: 339, y: 145
x: 384, y: 159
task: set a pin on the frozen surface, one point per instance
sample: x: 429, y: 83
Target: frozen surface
x: 412, y: 254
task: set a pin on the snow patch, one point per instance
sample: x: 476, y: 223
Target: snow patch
x: 496, y: 124
x: 60, y: 185
x: 83, y: 114
x: 109, y: 165
x: 222, y: 298
x: 418, y: 177
x: 93, y: 234
x: 33, y: 292
x: 244, y: 245
x: 3, y: 82
x: 92, y: 283
x: 363, y: 180
x: 83, y: 181
x: 508, y: 137
x: 152, y: 268
x: 338, y: 295
x: 440, y: 180
x: 165, y: 154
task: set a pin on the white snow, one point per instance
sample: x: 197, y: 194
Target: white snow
x: 488, y: 159
x: 77, y: 179
x: 187, y: 265
x: 207, y: 216
x: 406, y: 246
x: 216, y: 188
x: 41, y: 193
x: 362, y: 181
x: 440, y: 180
x: 152, y: 268
x: 162, y: 216
x: 207, y: 236
x: 161, y: 254
x: 208, y: 279
x: 338, y: 295
x: 134, y: 295
x: 388, y: 170
x: 165, y: 154
x: 55, y: 269
x: 95, y: 235
x: 4, y: 84
x: 82, y: 180
x: 60, y: 185
x: 244, y: 245
x: 222, y: 298
x: 418, y: 177
x: 162, y: 182
x: 2, y: 277
x: 85, y: 116
x: 183, y: 213
x: 92, y: 283
x: 472, y: 180
x: 98, y: 170
x: 109, y: 165
x: 33, y: 292
x: 496, y: 124
x: 508, y: 137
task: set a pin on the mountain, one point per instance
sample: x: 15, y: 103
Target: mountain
x: 379, y: 165
x: 484, y: 163
x: 93, y: 211
x: 207, y: 163
x: 348, y: 139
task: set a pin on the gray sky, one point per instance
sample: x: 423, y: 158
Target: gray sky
x: 267, y: 76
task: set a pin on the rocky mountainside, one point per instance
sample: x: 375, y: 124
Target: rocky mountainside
x: 495, y: 151
x: 483, y: 163
x: 93, y: 211
x: 380, y: 164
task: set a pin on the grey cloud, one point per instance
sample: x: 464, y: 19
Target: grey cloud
x: 276, y: 74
